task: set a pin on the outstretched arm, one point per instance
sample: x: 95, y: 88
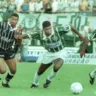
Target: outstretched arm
x: 85, y: 40
x: 76, y: 32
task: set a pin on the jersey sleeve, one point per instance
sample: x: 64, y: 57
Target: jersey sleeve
x: 34, y: 35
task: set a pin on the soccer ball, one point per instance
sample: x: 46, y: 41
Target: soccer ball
x: 76, y: 88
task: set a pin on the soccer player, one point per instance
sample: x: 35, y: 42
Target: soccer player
x: 54, y: 44
x: 9, y: 33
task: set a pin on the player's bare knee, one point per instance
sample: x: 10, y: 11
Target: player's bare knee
x: 59, y: 60
x: 13, y: 71
x: 39, y: 72
x: 56, y: 69
x: 2, y: 71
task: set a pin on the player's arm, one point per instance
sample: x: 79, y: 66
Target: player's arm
x: 33, y: 35
x: 85, y: 40
x: 76, y: 32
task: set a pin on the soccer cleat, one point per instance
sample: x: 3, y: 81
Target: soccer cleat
x: 92, y: 79
x: 34, y: 86
x: 5, y: 85
x: 47, y: 83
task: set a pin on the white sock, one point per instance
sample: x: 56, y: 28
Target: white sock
x: 93, y: 73
x: 52, y: 75
x: 36, y: 79
x: 5, y: 81
x: 11, y: 73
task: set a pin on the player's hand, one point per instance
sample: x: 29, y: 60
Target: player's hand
x: 18, y: 33
x: 19, y: 29
x: 82, y: 53
x: 18, y: 36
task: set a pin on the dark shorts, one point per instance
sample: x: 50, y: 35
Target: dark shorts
x: 6, y: 54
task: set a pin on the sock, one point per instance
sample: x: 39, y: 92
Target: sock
x: 8, y: 78
x: 93, y: 73
x: 52, y: 75
x: 36, y: 79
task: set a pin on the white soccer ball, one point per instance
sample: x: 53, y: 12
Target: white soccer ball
x: 76, y: 88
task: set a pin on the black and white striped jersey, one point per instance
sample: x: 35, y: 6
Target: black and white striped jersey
x: 6, y: 35
x: 53, y: 43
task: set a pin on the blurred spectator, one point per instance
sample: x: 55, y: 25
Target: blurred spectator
x: 19, y: 4
x: 60, y: 5
x: 32, y: 6
x: 88, y: 29
x: 83, y: 6
x: 91, y: 4
x: 55, y: 6
x: 49, y: 8
x: 45, y: 5
x: 3, y: 5
x: 11, y: 6
x: 39, y: 5
x: 94, y: 7
x: 67, y: 6
x: 25, y: 7
x: 75, y: 6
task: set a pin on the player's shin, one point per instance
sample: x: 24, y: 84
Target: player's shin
x: 8, y: 78
x: 36, y: 79
x: 52, y: 75
x: 49, y: 78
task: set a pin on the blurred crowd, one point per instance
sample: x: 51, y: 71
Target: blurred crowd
x: 47, y: 6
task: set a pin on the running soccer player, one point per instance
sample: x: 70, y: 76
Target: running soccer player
x: 8, y: 35
x: 54, y: 44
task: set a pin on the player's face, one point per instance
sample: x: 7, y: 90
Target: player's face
x: 47, y: 30
x: 13, y: 21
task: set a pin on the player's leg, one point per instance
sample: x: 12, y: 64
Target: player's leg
x: 12, y: 67
x: 2, y: 66
x: 92, y: 76
x: 57, y: 65
x: 38, y: 73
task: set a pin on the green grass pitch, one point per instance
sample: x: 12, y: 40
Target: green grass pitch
x: 60, y: 86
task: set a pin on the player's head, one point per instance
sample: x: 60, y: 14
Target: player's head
x: 47, y: 28
x: 14, y: 19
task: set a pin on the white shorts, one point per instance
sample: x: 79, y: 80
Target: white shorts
x: 49, y: 57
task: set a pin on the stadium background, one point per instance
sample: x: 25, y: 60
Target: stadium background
x: 31, y: 49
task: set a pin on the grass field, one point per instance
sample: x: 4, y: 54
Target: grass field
x: 60, y: 86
